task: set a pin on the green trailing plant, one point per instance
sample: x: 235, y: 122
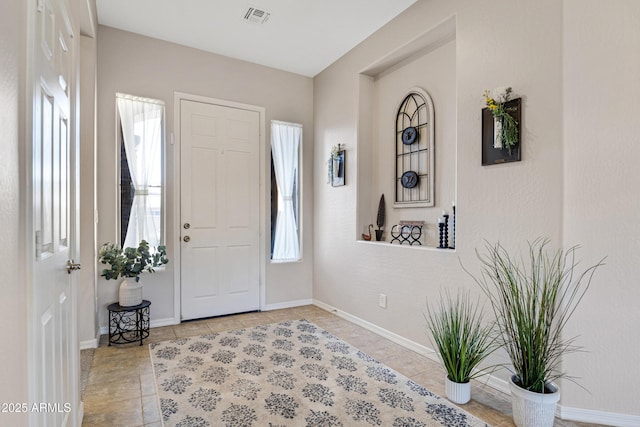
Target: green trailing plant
x: 335, y: 155
x: 131, y: 262
x: 500, y: 111
x: 461, y: 336
x: 533, y: 299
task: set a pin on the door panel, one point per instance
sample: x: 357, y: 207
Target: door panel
x: 220, y: 202
x: 203, y: 206
x: 55, y: 349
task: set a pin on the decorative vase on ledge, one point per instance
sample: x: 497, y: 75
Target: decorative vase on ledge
x: 130, y: 292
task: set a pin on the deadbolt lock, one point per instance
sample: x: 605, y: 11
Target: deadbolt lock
x: 187, y: 226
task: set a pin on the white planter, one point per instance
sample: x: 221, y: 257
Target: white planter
x: 533, y: 409
x: 459, y: 393
x: 130, y: 292
x: 497, y: 133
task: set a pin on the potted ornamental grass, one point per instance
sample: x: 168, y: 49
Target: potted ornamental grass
x: 129, y: 263
x: 533, y: 298
x: 463, y: 341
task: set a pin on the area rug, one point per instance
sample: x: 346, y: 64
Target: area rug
x: 288, y: 374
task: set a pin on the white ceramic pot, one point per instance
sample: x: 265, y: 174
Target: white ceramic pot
x: 533, y: 409
x: 459, y: 393
x: 130, y: 292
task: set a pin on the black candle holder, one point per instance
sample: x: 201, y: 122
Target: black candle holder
x: 441, y: 233
x: 453, y: 235
x: 446, y: 230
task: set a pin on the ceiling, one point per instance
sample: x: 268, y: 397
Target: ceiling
x: 300, y: 36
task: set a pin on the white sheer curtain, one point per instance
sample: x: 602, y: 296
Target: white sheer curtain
x: 142, y: 129
x: 285, y: 147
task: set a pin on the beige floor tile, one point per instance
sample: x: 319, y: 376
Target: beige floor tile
x: 147, y: 384
x: 164, y: 333
x: 223, y: 324
x: 118, y: 387
x: 114, y: 412
x: 191, y: 329
x: 150, y: 409
x: 101, y: 374
x: 121, y: 389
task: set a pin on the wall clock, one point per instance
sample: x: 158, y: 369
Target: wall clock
x: 409, y: 135
x: 409, y: 179
x: 414, y: 156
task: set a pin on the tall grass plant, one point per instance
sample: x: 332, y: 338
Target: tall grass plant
x: 533, y: 298
x: 460, y: 334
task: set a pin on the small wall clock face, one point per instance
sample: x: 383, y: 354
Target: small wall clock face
x: 409, y: 179
x: 409, y: 135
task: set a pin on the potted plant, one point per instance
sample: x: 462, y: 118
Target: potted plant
x: 333, y: 163
x: 505, y: 131
x: 533, y: 298
x: 130, y: 263
x: 463, y: 340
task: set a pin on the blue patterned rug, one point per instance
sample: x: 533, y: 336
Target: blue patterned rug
x: 288, y: 374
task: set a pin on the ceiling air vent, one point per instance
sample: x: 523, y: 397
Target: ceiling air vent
x: 256, y: 16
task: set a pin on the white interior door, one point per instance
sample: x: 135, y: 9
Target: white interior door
x: 54, y: 359
x: 220, y: 210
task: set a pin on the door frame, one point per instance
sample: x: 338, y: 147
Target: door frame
x: 178, y: 97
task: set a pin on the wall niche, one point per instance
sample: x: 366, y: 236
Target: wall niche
x: 425, y: 65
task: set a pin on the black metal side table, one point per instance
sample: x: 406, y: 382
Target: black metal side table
x: 128, y: 324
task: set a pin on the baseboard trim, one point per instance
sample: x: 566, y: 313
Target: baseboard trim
x: 563, y: 412
x: 80, y: 416
x: 598, y: 417
x: 411, y: 345
x: 287, y: 304
x: 84, y: 345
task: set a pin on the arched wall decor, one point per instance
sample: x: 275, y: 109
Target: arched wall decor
x: 414, y: 142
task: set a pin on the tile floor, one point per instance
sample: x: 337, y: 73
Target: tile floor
x: 121, y: 389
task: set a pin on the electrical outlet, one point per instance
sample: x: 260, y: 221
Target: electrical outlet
x: 382, y: 300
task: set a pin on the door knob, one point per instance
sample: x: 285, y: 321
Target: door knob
x: 71, y: 266
x: 186, y: 238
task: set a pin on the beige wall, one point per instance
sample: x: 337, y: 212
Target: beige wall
x: 518, y: 44
x: 601, y: 176
x: 13, y: 281
x: 152, y: 68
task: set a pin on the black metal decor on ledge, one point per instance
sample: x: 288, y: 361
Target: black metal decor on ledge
x: 443, y: 227
x: 407, y: 232
x: 453, y: 237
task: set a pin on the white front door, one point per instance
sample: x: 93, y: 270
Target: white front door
x: 54, y: 358
x: 220, y: 210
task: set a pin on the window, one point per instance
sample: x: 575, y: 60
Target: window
x: 141, y: 135
x: 286, y: 139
